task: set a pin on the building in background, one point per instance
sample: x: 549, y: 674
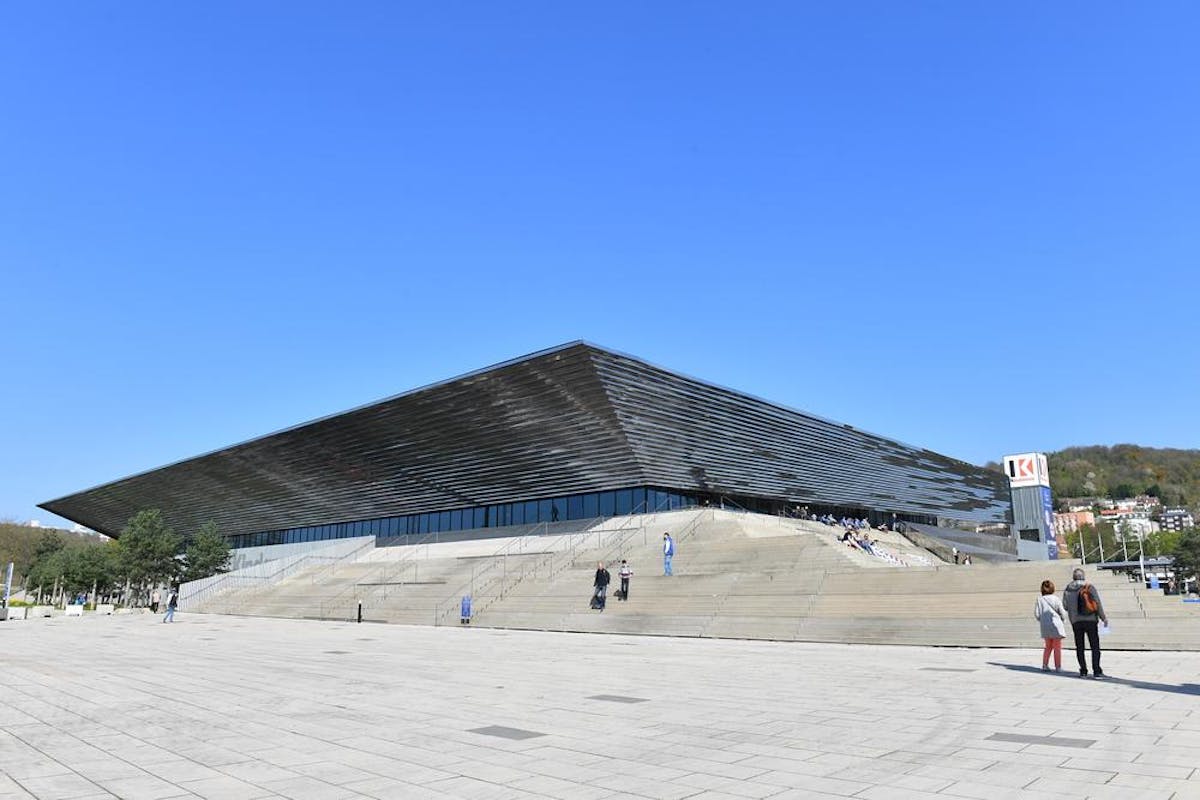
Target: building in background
x: 1176, y: 519
x: 1133, y: 521
x: 571, y: 433
x: 1071, y: 521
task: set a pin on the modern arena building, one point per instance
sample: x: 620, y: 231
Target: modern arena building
x: 574, y: 432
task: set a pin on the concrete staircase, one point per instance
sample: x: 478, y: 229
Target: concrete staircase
x: 757, y: 578
x: 736, y: 576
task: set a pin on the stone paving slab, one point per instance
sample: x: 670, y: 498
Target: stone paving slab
x: 244, y: 708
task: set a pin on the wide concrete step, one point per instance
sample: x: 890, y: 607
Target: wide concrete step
x: 736, y: 576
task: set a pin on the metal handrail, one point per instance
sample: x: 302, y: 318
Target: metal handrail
x: 293, y: 565
x: 500, y: 558
x: 558, y: 561
x: 354, y: 555
x: 472, y: 588
x: 615, y: 550
x: 386, y: 570
x: 513, y: 543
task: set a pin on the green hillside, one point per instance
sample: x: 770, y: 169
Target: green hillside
x: 1126, y: 470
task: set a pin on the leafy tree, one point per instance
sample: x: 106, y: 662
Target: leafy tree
x: 1094, y: 539
x: 46, y: 570
x: 92, y: 565
x: 207, y: 554
x: 148, y: 548
x: 1161, y: 543
x: 1187, y: 554
x: 49, y: 544
x: 76, y: 567
x: 1121, y: 491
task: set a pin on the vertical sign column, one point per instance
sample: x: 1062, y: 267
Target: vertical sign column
x: 1033, y: 508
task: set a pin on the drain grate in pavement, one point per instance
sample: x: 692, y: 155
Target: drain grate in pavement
x: 619, y: 698
x: 946, y: 669
x: 506, y: 733
x: 1056, y: 741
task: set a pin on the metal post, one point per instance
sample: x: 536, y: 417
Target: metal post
x: 1142, y: 560
x: 360, y: 610
x: 1082, y: 548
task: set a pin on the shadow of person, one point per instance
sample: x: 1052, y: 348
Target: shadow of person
x: 1182, y: 688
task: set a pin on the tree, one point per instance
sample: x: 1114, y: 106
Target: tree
x: 148, y: 548
x: 46, y: 570
x: 207, y: 554
x: 48, y: 544
x: 1161, y: 543
x: 1122, y: 491
x: 92, y: 565
x: 1094, y: 539
x: 1187, y: 554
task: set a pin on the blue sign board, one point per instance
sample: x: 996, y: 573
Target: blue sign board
x: 1048, y: 523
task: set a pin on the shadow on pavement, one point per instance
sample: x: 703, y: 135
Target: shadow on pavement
x: 1069, y: 672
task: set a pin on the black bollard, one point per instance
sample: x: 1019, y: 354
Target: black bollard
x: 360, y: 610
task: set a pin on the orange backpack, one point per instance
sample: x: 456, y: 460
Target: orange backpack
x: 1086, y: 603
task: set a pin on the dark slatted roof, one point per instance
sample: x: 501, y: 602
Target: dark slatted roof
x: 572, y: 419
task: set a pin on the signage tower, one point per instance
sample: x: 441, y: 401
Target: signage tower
x: 1033, y: 509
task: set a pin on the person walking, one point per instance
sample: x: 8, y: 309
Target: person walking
x: 155, y: 599
x: 172, y: 603
x: 600, y: 585
x: 954, y: 552
x: 1083, y: 606
x: 625, y: 573
x: 668, y: 553
x: 1049, y: 612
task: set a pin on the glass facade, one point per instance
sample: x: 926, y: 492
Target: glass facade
x: 637, y: 500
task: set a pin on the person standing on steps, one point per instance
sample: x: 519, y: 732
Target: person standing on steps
x: 668, y: 553
x: 600, y: 585
x: 625, y: 573
x: 1084, y: 608
x: 1052, y: 617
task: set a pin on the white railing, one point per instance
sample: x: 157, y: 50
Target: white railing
x: 194, y: 594
x: 501, y: 580
x: 389, y: 577
x: 496, y: 578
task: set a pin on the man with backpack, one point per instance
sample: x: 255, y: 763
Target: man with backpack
x: 1082, y: 601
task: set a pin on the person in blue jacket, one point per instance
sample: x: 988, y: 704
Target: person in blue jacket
x: 668, y: 553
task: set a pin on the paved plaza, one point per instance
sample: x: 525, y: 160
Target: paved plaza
x: 227, y: 707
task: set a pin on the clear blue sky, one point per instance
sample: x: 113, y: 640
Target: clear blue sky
x: 972, y: 227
